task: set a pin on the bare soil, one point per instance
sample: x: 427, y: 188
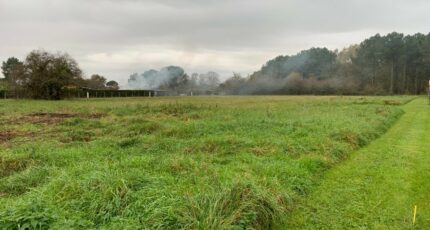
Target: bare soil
x: 53, y: 118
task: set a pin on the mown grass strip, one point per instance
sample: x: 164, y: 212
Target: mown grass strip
x: 378, y: 187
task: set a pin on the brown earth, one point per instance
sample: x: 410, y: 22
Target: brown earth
x: 52, y: 118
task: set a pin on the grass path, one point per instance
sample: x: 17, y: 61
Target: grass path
x: 379, y: 185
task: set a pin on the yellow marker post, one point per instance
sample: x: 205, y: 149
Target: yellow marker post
x: 415, y: 215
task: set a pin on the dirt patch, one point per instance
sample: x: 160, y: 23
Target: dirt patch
x: 45, y: 118
x: 52, y: 115
x: 53, y: 118
x: 8, y: 135
x: 93, y: 115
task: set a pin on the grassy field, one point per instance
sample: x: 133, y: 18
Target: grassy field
x: 181, y: 162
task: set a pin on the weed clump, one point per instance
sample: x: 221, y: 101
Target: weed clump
x: 32, y: 214
x: 9, y: 166
x: 23, y: 182
x: 350, y: 137
x: 241, y: 206
x: 77, y: 136
x: 144, y: 128
x: 392, y: 102
x: 128, y: 142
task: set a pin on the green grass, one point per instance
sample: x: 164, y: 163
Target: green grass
x: 379, y: 185
x: 179, y: 162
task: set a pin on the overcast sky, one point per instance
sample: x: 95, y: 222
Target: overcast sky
x: 118, y: 37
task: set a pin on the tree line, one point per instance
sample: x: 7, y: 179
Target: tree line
x: 390, y: 64
x: 43, y: 75
x: 380, y: 65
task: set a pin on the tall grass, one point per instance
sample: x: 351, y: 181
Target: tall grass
x: 169, y: 163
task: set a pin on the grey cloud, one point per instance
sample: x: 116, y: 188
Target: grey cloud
x: 216, y: 29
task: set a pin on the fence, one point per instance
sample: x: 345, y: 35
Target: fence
x: 91, y: 93
x: 6, y: 94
